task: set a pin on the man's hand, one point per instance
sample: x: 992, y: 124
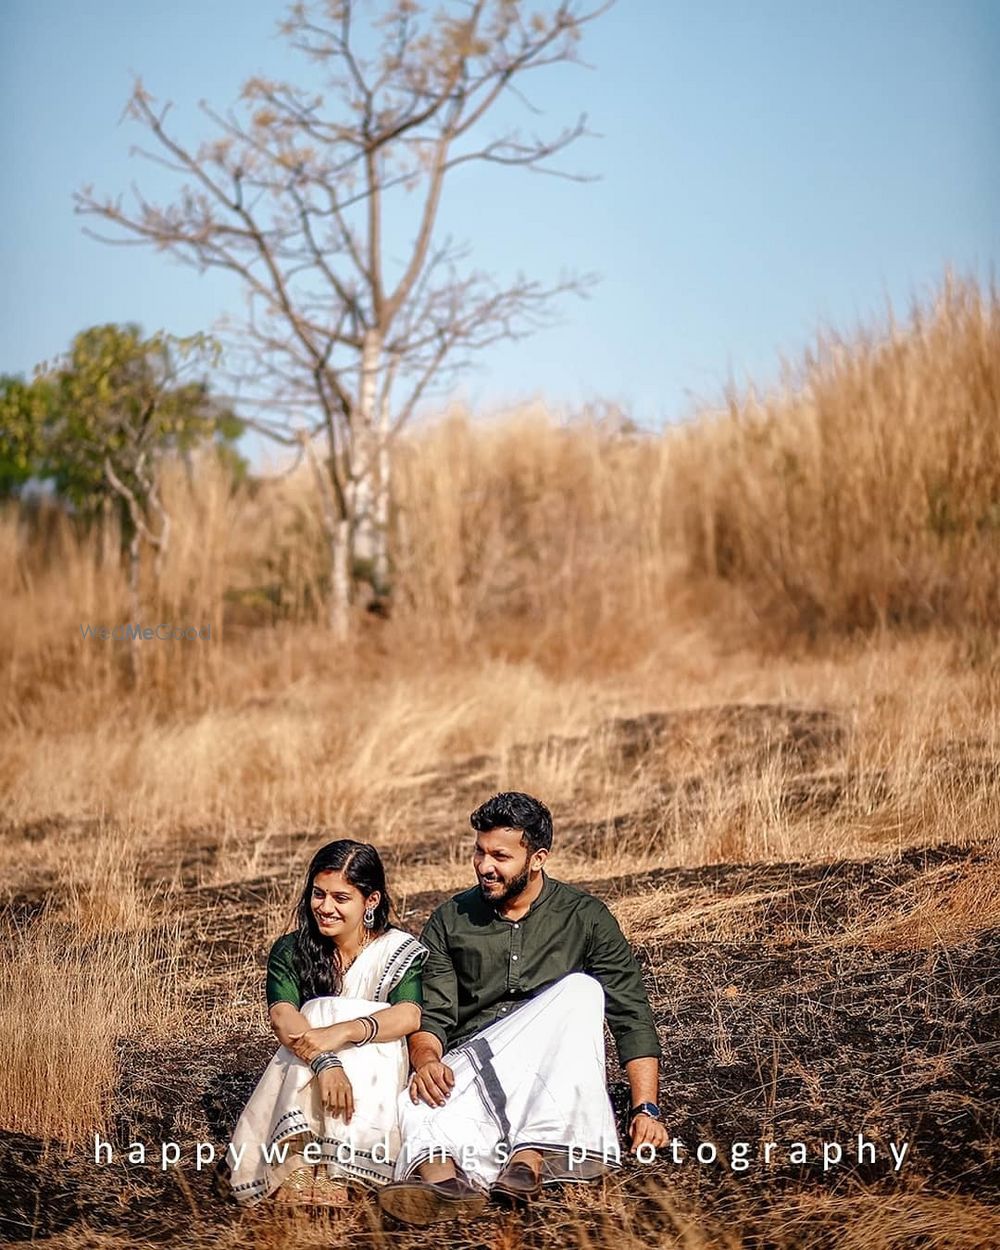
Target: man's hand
x: 432, y: 1083
x: 644, y: 1078
x: 336, y: 1093
x: 644, y: 1130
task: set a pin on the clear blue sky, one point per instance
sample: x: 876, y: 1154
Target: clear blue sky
x: 766, y: 166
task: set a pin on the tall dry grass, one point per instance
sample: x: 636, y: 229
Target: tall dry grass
x: 539, y: 539
x: 855, y: 1221
x: 862, y: 494
x: 69, y: 1005
x: 866, y: 492
x: 549, y: 576
x: 98, y: 965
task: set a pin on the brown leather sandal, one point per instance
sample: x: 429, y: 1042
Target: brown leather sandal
x: 518, y: 1182
x: 423, y: 1202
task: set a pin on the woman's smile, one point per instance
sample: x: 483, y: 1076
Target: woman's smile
x: 330, y: 889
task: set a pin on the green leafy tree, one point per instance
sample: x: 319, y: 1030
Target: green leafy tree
x: 24, y: 411
x: 120, y: 404
x: 99, y: 422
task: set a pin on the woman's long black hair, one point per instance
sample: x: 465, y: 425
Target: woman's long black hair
x: 316, y: 956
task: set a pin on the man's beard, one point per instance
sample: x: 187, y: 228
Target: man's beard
x: 511, y: 890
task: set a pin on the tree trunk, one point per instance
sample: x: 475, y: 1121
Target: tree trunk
x: 339, y: 604
x: 337, y: 531
x: 134, y: 573
x: 162, y: 540
x: 365, y: 460
x: 110, y: 540
x: 380, y: 567
x: 133, y: 653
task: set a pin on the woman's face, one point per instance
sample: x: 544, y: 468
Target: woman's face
x: 338, y: 906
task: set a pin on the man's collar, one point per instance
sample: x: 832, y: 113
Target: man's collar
x: 547, y: 887
x: 546, y: 890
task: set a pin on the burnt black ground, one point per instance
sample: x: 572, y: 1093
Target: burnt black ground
x: 792, y: 1029
x: 787, y: 1041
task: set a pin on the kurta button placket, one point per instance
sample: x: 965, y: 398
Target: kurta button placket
x: 515, y: 955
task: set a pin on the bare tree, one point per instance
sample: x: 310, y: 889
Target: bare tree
x: 292, y: 195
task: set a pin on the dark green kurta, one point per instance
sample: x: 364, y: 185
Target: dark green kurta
x: 481, y: 966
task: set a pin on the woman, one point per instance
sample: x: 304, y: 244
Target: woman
x: 343, y: 991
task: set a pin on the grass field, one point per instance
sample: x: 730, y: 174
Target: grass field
x: 752, y: 666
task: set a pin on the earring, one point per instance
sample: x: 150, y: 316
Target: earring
x: 369, y: 918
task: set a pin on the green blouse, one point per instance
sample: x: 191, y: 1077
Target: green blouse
x: 284, y: 984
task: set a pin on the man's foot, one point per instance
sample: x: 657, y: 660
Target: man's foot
x: 521, y: 1179
x: 421, y: 1202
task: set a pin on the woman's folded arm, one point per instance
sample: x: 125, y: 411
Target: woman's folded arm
x: 286, y: 1021
x: 394, y: 1022
x: 397, y: 1021
x: 293, y: 1030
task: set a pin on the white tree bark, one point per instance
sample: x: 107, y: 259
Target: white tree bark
x: 366, y: 449
x: 339, y: 606
x: 383, y: 498
x: 381, y: 561
x: 337, y: 531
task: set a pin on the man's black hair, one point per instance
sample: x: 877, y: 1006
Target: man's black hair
x: 514, y: 810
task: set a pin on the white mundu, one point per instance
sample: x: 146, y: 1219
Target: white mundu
x: 534, y: 1079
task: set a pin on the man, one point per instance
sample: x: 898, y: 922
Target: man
x: 507, y: 1080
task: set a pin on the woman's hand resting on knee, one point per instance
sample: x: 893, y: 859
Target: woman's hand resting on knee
x: 336, y: 1093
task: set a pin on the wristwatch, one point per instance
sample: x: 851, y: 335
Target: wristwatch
x: 645, y: 1108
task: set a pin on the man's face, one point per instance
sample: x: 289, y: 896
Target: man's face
x: 502, y: 863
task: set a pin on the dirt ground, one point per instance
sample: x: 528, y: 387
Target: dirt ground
x: 797, y: 1002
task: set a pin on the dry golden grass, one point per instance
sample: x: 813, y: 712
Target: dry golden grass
x: 943, y: 909
x: 348, y: 753
x: 99, y: 963
x: 864, y: 493
x: 867, y: 1221
x: 71, y: 1000
x: 553, y: 580
x: 890, y: 1222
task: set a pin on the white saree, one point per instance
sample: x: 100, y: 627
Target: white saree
x: 534, y: 1079
x: 284, y: 1115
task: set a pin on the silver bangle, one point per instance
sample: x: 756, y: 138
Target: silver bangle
x: 328, y: 1059
x: 370, y: 1025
